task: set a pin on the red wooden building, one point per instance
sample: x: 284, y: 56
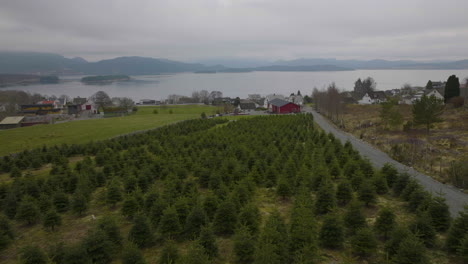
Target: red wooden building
x: 279, y: 106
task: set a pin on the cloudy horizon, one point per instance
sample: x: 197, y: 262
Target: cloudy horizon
x: 238, y: 29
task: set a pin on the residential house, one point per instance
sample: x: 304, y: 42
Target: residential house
x: 375, y: 97
x: 296, y: 99
x: 435, y: 92
x: 271, y: 97
x: 247, y: 105
x: 147, y: 102
x: 280, y: 106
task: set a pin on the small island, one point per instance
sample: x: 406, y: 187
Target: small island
x: 103, y: 79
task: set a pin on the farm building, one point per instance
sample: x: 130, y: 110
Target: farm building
x: 39, y: 109
x: 279, y: 106
x: 11, y: 122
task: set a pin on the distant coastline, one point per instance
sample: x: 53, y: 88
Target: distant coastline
x: 103, y: 79
x: 7, y: 80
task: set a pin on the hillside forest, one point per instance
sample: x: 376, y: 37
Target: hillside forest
x: 261, y: 190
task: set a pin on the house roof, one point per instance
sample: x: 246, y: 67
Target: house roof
x: 247, y: 104
x: 12, y: 120
x: 79, y: 100
x: 46, y: 102
x: 378, y: 95
x: 278, y: 102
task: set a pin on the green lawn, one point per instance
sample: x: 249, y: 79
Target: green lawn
x: 15, y: 140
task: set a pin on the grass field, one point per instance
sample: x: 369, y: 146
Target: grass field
x: 429, y: 153
x: 19, y: 139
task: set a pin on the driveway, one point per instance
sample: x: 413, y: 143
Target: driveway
x: 455, y: 198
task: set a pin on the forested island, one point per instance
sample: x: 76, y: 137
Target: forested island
x: 25, y: 79
x: 104, y: 79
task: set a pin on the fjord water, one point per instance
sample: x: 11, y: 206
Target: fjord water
x: 240, y: 84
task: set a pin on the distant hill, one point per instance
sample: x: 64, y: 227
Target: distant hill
x: 377, y: 64
x: 48, y: 63
x: 35, y: 63
x: 54, y: 64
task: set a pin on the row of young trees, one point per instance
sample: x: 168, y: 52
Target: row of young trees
x: 197, y: 182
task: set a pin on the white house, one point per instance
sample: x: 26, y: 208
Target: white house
x: 296, y: 99
x: 434, y: 92
x: 376, y: 97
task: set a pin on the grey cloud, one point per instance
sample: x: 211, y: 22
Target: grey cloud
x: 268, y: 29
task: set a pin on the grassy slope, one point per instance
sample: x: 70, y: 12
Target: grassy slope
x: 15, y: 140
x: 448, y: 140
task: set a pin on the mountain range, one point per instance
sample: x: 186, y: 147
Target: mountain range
x: 50, y: 63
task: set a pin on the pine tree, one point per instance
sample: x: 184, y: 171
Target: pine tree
x: 111, y: 229
x: 265, y: 253
x: 380, y: 184
x: 28, y: 211
x: 366, y: 193
x: 411, y: 251
x: 33, y: 255
x: 385, y: 222
x: 169, y: 253
x: 15, y: 172
x: 400, y: 183
x: 440, y: 214
x: 452, y: 88
x: 98, y: 246
x: 244, y: 245
x: 61, y: 202
x: 302, y: 229
x: 363, y: 243
x: 423, y: 228
x: 114, y: 194
x: 427, y: 111
x: 274, y: 236
x: 354, y: 218
x: 208, y: 241
x: 332, y: 232
x: 79, y: 204
x: 129, y: 207
x: 210, y: 205
x: 75, y: 254
x: 326, y: 199
x: 169, y: 225
x: 398, y: 234
x: 457, y: 231
x: 344, y: 193
x: 390, y: 174
x: 52, y: 219
x: 196, y: 255
x: 6, y: 232
x: 141, y: 233
x: 132, y: 255
x: 283, y: 188
x: 462, y: 250
x: 225, y: 218
x: 249, y: 216
x: 195, y: 220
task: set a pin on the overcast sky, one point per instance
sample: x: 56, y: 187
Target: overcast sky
x: 189, y: 30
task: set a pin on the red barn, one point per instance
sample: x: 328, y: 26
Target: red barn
x: 279, y: 106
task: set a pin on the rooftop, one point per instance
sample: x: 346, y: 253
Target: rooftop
x: 12, y: 120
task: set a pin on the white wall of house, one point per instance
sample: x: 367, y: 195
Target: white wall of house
x: 366, y: 100
x: 436, y: 94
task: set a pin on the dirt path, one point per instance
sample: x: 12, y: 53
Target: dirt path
x: 456, y: 199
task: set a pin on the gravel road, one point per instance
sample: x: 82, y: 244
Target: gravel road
x: 455, y: 198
